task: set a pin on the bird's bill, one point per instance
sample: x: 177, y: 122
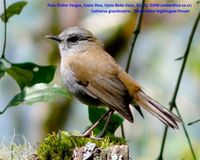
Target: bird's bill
x: 55, y: 38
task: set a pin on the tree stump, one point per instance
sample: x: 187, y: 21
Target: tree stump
x: 65, y: 146
x: 91, y: 152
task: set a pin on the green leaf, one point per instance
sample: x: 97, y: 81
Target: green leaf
x: 28, y: 74
x: 23, y: 77
x: 96, y: 113
x: 13, y: 9
x: 2, y: 69
x: 38, y: 93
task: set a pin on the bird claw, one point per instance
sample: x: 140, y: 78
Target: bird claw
x: 89, y: 136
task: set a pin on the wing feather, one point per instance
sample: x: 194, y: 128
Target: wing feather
x: 100, y: 79
x: 112, y: 93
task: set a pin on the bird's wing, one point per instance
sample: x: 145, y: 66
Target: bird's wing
x: 111, y: 92
x: 99, y: 77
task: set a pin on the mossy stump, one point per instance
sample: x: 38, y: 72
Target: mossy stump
x: 65, y: 146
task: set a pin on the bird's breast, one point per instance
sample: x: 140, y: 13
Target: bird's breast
x: 71, y: 82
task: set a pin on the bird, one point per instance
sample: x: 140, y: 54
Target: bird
x: 95, y: 78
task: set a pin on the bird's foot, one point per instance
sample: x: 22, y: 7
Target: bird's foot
x: 88, y: 136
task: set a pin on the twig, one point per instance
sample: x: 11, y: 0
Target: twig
x: 186, y: 134
x: 5, y: 30
x: 191, y: 123
x: 135, y: 34
x: 173, y: 102
x: 123, y: 132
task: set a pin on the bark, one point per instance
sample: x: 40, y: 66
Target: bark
x: 91, y: 152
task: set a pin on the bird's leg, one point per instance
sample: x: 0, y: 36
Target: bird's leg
x: 88, y: 131
x: 101, y: 134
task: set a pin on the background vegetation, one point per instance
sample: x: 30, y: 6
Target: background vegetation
x: 163, y: 38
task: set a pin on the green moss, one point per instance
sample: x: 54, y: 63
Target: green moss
x: 60, y: 146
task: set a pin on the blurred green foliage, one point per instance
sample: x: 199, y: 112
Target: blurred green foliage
x: 30, y: 77
x: 94, y: 116
x: 28, y: 74
x: 57, y: 112
x: 13, y: 9
x: 38, y: 93
x: 194, y: 63
x: 2, y: 69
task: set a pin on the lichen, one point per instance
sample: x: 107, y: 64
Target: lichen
x: 60, y: 146
x: 19, y: 148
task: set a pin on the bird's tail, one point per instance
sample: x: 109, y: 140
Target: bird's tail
x: 156, y: 109
x: 146, y: 102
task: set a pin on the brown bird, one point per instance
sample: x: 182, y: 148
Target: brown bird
x: 95, y: 78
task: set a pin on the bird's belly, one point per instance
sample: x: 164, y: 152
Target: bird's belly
x: 77, y: 90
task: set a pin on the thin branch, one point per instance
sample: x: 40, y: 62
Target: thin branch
x: 186, y: 134
x: 173, y: 102
x: 135, y: 35
x: 5, y: 30
x: 122, y: 131
x: 2, y: 112
x: 191, y: 123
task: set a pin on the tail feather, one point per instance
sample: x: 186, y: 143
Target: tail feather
x: 138, y: 108
x: 157, y: 110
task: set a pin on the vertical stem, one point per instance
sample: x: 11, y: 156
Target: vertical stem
x: 186, y: 134
x: 160, y: 157
x: 123, y: 132
x: 5, y: 30
x: 135, y: 34
x: 185, y: 58
x: 173, y: 102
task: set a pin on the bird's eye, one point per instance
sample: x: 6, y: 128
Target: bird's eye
x: 73, y: 39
